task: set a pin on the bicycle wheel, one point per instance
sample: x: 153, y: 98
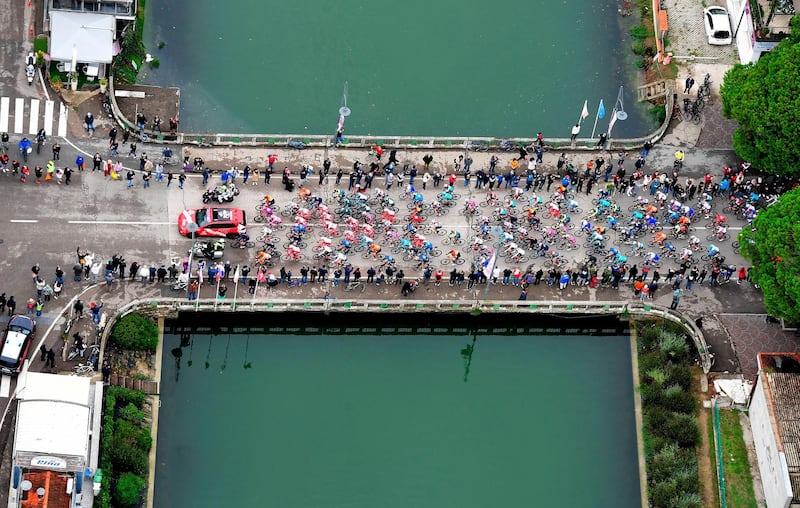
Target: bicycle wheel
x: 250, y: 244
x: 445, y: 262
x: 435, y: 252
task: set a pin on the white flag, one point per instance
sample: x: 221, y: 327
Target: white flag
x: 585, y: 111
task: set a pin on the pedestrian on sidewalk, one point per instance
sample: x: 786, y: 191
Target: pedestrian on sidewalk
x: 51, y: 359
x: 676, y: 298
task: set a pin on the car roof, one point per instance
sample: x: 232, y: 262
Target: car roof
x: 23, y: 321
x: 12, y: 346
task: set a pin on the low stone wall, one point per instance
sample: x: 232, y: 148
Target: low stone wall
x: 173, y: 306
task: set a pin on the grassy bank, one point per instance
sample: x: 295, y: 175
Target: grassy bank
x: 670, y: 429
x: 130, y: 59
x: 738, y: 480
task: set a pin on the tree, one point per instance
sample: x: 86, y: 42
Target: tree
x: 772, y: 245
x: 129, y: 489
x: 764, y: 98
x: 135, y: 332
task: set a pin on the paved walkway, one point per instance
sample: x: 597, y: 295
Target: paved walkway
x: 751, y: 334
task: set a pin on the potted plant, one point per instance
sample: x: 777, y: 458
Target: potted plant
x: 103, y: 84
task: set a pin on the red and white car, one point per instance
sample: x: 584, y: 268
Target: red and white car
x: 213, y: 221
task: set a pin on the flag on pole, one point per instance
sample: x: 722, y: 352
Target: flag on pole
x: 488, y: 265
x: 585, y: 111
x: 601, y: 111
x: 611, y: 124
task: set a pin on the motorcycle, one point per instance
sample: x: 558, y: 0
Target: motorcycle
x: 209, y: 250
x: 224, y: 194
x: 30, y: 68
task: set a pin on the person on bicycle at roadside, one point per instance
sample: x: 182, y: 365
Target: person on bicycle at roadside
x: 720, y: 219
x: 375, y: 249
x: 636, y: 247
x: 613, y: 252
x: 586, y: 225
x: 293, y: 252
x: 454, y: 255
x: 668, y: 247
x: 694, y: 242
x: 721, y: 231
x: 612, y: 222
x: 686, y: 254
x: 713, y: 250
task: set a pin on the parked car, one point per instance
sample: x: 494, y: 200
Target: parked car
x: 213, y: 221
x: 718, y: 26
x: 16, y: 344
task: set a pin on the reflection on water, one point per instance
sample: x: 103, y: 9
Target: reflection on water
x: 313, y: 418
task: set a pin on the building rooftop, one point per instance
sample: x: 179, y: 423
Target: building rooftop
x: 781, y: 373
x: 54, y: 494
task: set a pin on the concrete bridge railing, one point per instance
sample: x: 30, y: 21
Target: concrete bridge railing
x: 389, y: 142
x: 172, y: 306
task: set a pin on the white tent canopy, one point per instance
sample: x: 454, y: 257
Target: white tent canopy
x: 92, y: 35
x: 53, y: 415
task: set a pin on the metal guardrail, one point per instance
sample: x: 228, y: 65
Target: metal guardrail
x: 623, y: 309
x: 364, y: 141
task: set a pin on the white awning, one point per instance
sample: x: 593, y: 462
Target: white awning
x: 91, y: 34
x: 53, y: 416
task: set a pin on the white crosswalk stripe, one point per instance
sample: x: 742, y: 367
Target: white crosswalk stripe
x: 5, y: 386
x: 62, y: 119
x: 48, y: 117
x: 37, y: 117
x: 34, y: 117
x: 4, y: 104
x: 19, y: 115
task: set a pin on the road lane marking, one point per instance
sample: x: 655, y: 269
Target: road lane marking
x: 5, y: 386
x: 19, y: 114
x: 34, y: 114
x: 24, y: 221
x: 49, y: 106
x: 123, y: 222
x: 4, y: 103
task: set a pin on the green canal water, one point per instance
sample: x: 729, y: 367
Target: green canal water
x: 448, y: 68
x: 373, y: 420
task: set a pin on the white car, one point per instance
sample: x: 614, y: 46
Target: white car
x: 718, y: 26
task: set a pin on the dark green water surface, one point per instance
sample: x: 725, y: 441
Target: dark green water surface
x: 447, y: 68
x: 362, y: 420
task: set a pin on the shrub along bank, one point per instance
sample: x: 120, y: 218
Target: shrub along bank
x: 671, y: 432
x: 125, y: 448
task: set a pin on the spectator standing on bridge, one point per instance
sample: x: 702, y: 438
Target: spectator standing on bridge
x: 181, y: 179
x: 56, y: 151
x: 11, y: 304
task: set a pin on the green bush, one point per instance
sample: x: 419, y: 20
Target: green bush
x: 673, y: 344
x: 125, y: 456
x: 652, y: 395
x: 132, y: 414
x: 638, y: 48
x: 663, y: 493
x: 682, y: 429
x: 129, y: 489
x: 135, y: 332
x: 125, y: 396
x: 680, y: 375
x: 639, y: 32
x: 689, y: 500
x: 657, y: 375
x: 650, y: 361
x: 687, y: 479
x: 656, y: 417
x: 679, y: 401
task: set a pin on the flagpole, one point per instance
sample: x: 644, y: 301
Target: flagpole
x: 596, y: 117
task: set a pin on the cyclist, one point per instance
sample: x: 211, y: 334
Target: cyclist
x: 651, y: 258
x: 686, y: 254
x: 454, y: 255
x: 694, y: 242
x: 586, y: 226
x: 721, y: 231
x: 636, y: 248
x: 713, y: 250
